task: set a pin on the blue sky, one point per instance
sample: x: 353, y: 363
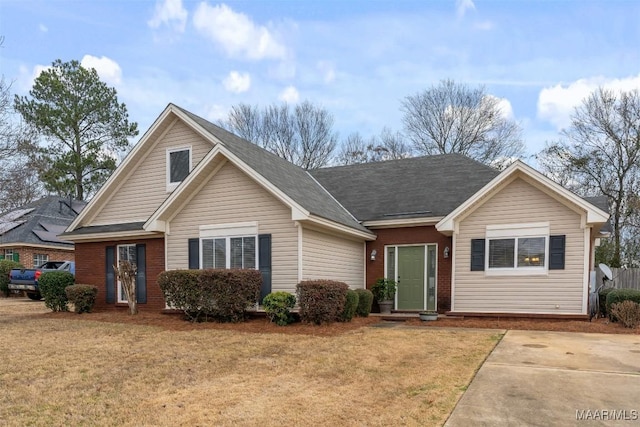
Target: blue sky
x: 358, y: 59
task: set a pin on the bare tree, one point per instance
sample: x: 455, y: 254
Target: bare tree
x: 19, y: 183
x: 454, y: 118
x: 601, y: 155
x: 126, y: 273
x: 388, y: 145
x: 302, y: 135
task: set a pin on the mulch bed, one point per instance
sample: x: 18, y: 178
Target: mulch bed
x: 260, y: 324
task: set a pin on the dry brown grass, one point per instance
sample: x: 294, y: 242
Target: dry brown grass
x: 65, y: 370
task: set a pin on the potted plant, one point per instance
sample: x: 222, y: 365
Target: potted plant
x: 384, y: 290
x: 428, y: 315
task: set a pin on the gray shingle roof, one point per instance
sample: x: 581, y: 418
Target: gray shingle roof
x: 292, y: 180
x: 431, y: 186
x: 44, y: 222
x: 110, y: 228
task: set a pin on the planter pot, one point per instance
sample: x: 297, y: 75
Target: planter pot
x: 385, y: 306
x: 428, y: 316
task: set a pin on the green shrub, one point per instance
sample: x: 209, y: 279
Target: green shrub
x: 384, y: 289
x: 321, y: 301
x: 52, y: 285
x: 619, y: 295
x: 182, y: 291
x: 83, y: 297
x: 6, y: 265
x: 627, y: 312
x: 221, y: 295
x: 350, y: 306
x: 233, y: 291
x: 603, y: 300
x: 365, y: 301
x: 278, y: 307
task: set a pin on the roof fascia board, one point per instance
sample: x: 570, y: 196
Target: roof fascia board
x: 118, y: 235
x: 399, y: 223
x: 91, y: 209
x: 594, y: 214
x: 325, y: 223
x: 18, y: 245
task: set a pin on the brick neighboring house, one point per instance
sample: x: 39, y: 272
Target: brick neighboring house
x: 457, y: 235
x: 29, y: 234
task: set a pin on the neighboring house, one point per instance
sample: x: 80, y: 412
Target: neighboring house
x: 29, y: 234
x: 457, y: 235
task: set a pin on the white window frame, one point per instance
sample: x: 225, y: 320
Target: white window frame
x: 172, y: 185
x: 516, y: 232
x: 119, y: 292
x: 38, y: 264
x: 227, y: 232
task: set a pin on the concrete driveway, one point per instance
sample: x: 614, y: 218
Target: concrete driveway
x: 537, y: 378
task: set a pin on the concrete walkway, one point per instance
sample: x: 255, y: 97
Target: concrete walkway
x: 537, y: 378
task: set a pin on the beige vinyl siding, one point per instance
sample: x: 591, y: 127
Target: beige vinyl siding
x: 232, y: 197
x: 326, y: 256
x: 146, y: 188
x: 519, y: 202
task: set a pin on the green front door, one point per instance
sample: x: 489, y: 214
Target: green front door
x: 410, y: 294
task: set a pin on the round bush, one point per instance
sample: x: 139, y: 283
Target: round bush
x: 52, y: 285
x: 278, y: 307
x: 83, y: 297
x: 365, y: 301
x: 350, y: 306
x: 321, y: 301
x: 619, y: 295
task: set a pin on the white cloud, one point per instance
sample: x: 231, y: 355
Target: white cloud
x: 289, y: 95
x: 236, y: 34
x: 556, y: 104
x: 462, y: 6
x: 237, y: 82
x: 215, y: 113
x: 170, y: 13
x: 328, y: 71
x: 483, y: 26
x: 505, y: 108
x: 43, y: 28
x: 107, y: 68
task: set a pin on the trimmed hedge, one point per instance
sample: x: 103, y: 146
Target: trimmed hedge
x: 222, y: 295
x: 83, y: 297
x: 350, y: 306
x: 278, y: 307
x: 321, y: 301
x: 52, y: 285
x: 627, y: 312
x: 365, y: 301
x: 6, y: 265
x: 619, y: 295
x: 181, y: 291
x: 602, y: 295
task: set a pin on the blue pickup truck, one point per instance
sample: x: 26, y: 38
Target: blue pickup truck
x: 26, y: 279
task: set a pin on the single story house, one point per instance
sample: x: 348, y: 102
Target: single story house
x: 29, y: 234
x: 456, y: 235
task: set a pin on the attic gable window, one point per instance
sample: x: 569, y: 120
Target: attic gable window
x: 178, y: 166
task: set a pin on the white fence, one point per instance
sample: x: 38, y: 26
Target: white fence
x: 622, y: 278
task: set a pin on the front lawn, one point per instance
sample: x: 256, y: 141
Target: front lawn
x: 67, y: 370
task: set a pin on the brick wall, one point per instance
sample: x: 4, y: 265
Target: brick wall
x: 413, y: 235
x: 91, y: 269
x: 26, y: 254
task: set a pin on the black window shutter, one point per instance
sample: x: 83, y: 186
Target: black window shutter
x: 264, y: 264
x: 556, y: 252
x: 141, y: 276
x: 110, y: 274
x: 477, y: 254
x: 194, y: 254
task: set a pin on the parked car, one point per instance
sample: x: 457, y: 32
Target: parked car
x: 26, y: 279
